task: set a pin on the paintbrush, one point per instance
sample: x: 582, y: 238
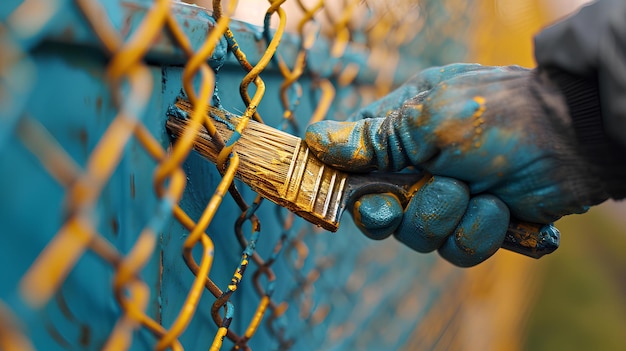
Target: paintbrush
x: 279, y: 167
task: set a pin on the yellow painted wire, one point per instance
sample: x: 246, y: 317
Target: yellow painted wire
x: 50, y: 268
x: 258, y: 316
x: 219, y: 339
x: 252, y: 76
x: 126, y: 280
x: 134, y: 49
x: 11, y: 336
x: 45, y: 275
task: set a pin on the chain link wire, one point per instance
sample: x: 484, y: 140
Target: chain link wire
x: 382, y: 29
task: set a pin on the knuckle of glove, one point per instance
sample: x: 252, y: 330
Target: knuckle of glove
x: 433, y: 213
x: 479, y: 234
x: 492, y: 132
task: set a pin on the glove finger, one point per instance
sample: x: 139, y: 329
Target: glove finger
x: 430, y: 77
x: 433, y: 213
x: 479, y: 234
x: 385, y: 144
x: 377, y: 215
x: 393, y: 134
x: 417, y: 85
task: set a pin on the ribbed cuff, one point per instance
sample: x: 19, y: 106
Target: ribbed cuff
x: 607, y: 158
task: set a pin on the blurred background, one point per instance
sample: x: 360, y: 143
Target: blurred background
x: 581, y: 298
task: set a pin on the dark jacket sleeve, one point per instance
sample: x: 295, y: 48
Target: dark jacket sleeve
x: 585, y: 56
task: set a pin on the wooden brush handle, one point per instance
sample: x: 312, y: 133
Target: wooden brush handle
x: 529, y: 239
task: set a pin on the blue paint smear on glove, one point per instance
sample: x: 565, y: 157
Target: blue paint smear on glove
x: 498, y: 142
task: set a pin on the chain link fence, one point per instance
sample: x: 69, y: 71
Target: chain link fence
x: 113, y: 238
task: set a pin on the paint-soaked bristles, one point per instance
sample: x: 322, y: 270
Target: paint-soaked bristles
x: 273, y: 163
x: 265, y: 153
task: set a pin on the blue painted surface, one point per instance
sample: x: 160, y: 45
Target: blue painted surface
x: 364, y: 284
x: 33, y: 212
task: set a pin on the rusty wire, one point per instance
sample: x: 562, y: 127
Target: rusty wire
x: 83, y: 187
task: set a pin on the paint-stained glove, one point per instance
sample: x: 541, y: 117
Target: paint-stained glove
x: 498, y: 142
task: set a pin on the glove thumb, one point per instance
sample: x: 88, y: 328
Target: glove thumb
x: 377, y: 215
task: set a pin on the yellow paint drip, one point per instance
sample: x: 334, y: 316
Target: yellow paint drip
x: 360, y: 153
x: 357, y: 214
x: 478, y: 120
x: 453, y: 131
x: 480, y: 100
x: 342, y: 134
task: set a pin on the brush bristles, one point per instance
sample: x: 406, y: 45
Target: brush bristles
x: 275, y: 164
x: 265, y: 153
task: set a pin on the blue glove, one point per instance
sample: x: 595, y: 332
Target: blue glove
x: 498, y: 142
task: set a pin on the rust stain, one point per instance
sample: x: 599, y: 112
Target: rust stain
x: 99, y: 104
x: 132, y: 186
x: 159, y: 282
x: 68, y: 34
x: 525, y: 236
x: 84, y: 338
x: 115, y: 226
x: 131, y: 9
x: 83, y: 137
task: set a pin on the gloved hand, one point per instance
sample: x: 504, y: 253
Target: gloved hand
x: 498, y: 142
